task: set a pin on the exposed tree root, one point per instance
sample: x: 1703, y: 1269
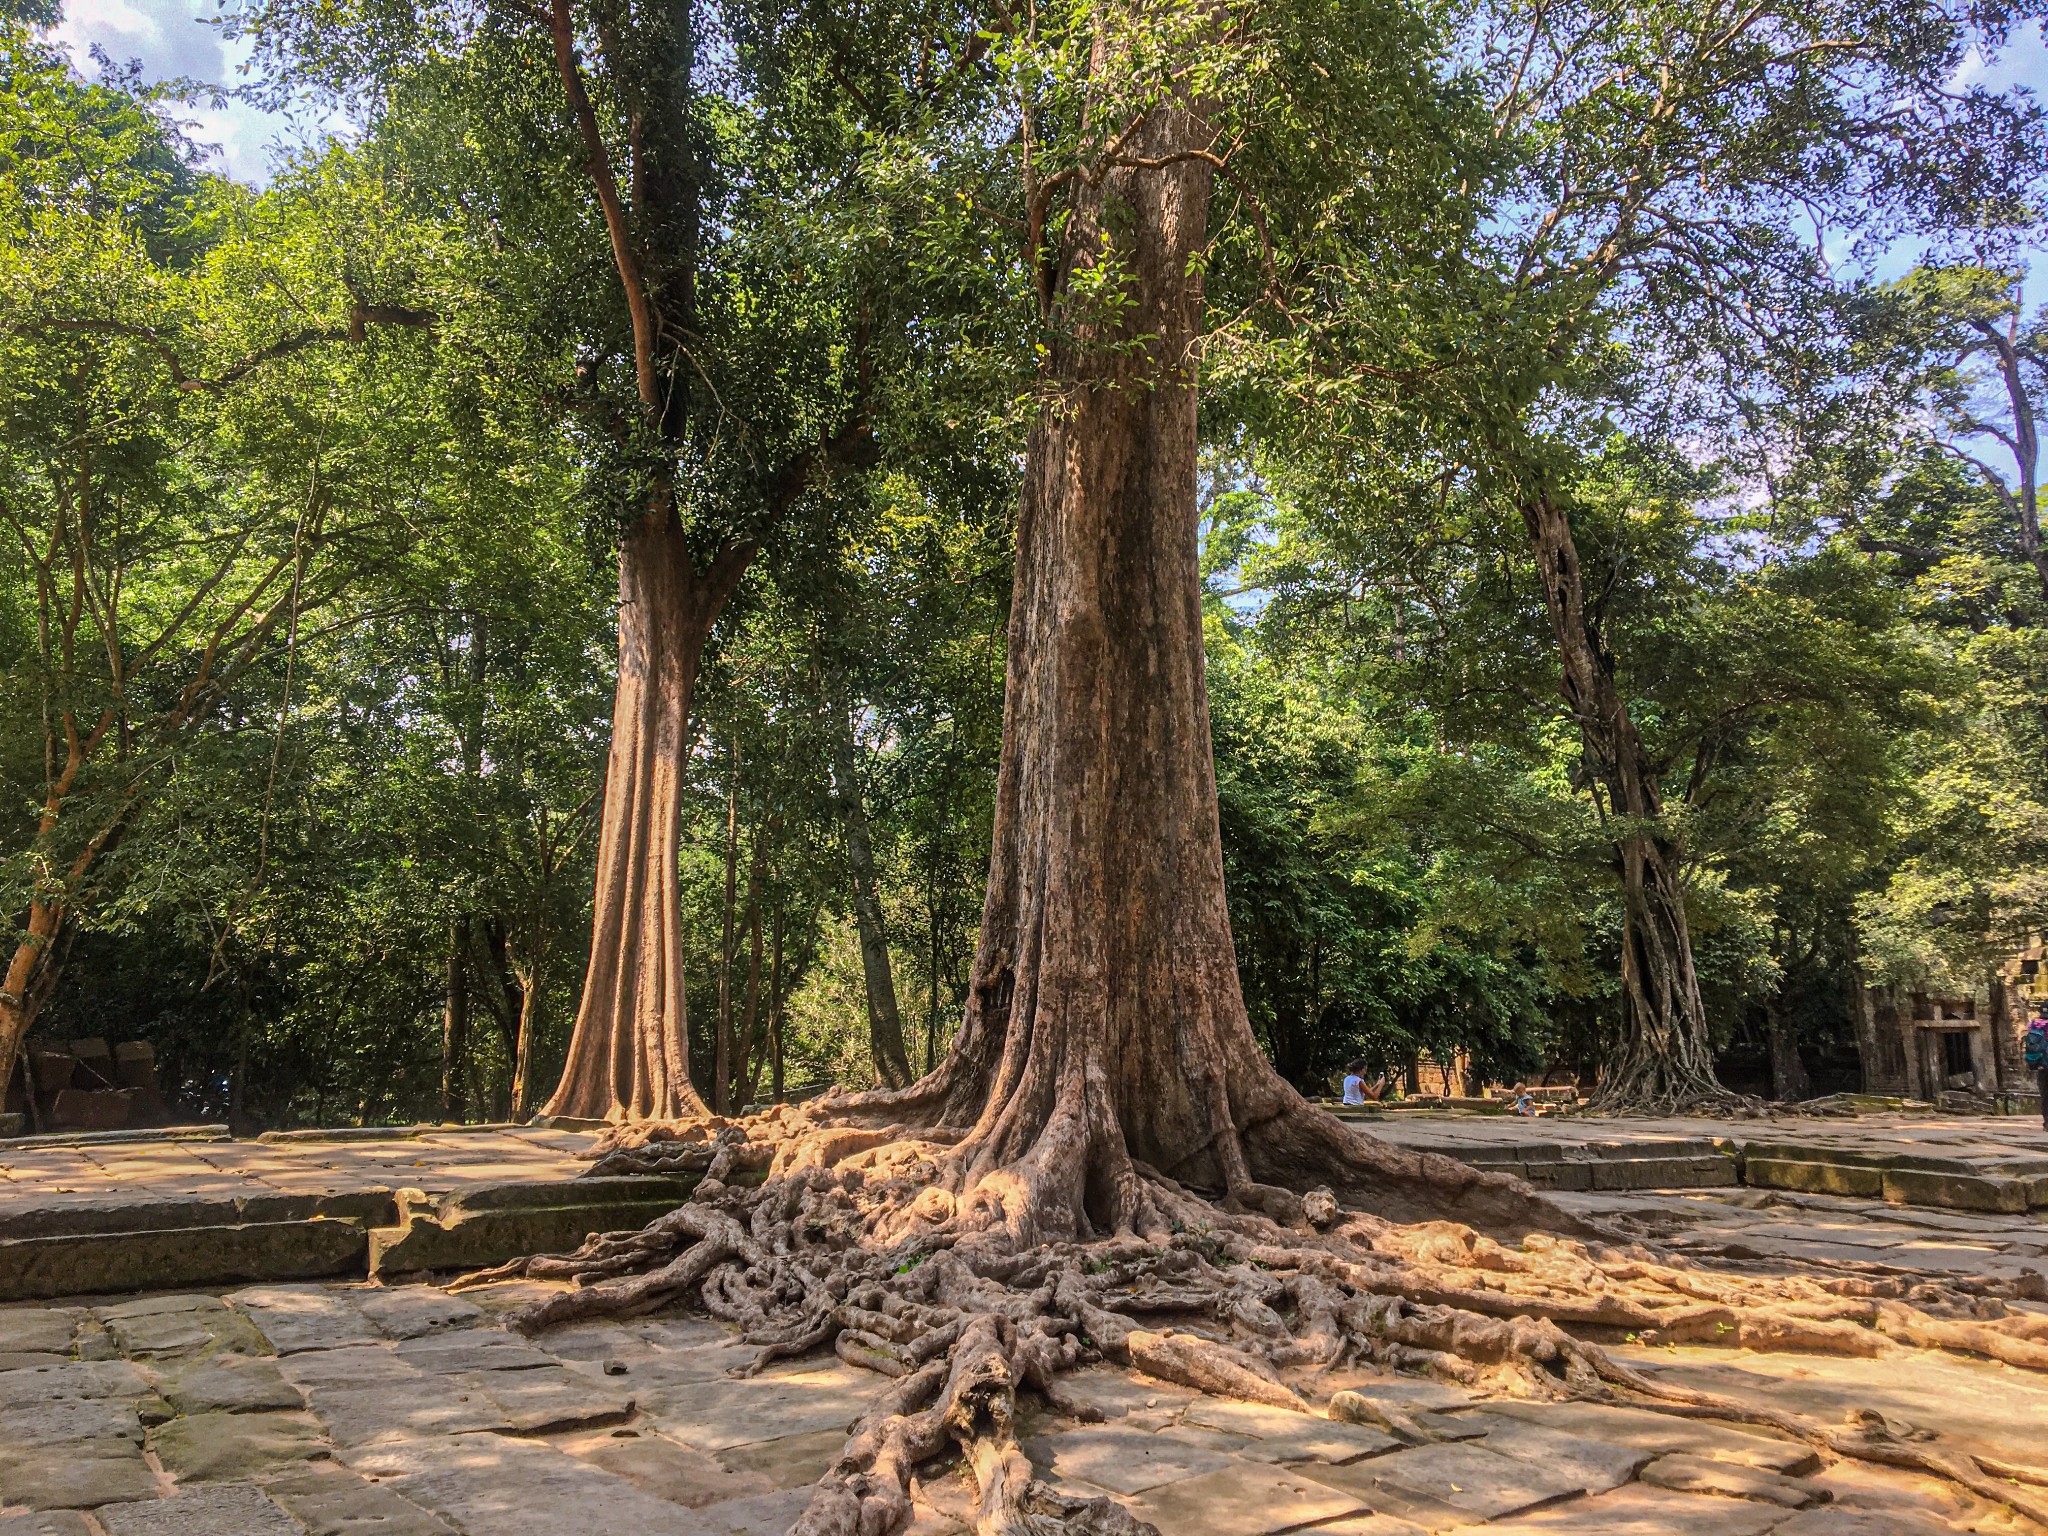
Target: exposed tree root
x: 871, y: 1240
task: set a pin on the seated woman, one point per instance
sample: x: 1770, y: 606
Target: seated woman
x: 1355, y: 1089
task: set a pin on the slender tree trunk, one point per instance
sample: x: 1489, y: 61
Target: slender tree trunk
x: 775, y: 1007
x: 531, y: 1009
x: 749, y: 1039
x: 885, y: 1019
x: 629, y: 1054
x: 1665, y: 1059
x: 722, y: 1062
x: 455, y: 1020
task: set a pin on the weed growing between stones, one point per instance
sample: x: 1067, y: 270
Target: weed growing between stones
x: 831, y: 1227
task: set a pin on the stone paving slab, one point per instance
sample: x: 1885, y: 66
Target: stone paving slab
x: 421, y: 1417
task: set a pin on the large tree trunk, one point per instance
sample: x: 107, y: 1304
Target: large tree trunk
x: 629, y: 1055
x: 1665, y: 1060
x: 1104, y: 1024
x: 885, y: 1018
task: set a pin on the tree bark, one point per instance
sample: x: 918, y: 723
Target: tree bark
x: 775, y: 1006
x: 1789, y: 1082
x: 885, y: 1018
x: 1105, y: 1026
x: 749, y: 1038
x: 455, y: 1020
x: 629, y: 1055
x: 721, y: 1062
x: 1665, y: 1060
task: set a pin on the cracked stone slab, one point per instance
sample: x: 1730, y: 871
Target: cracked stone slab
x: 51, y: 1522
x: 1286, y: 1436
x: 352, y: 1366
x: 1596, y: 1465
x: 766, y: 1514
x: 1663, y: 1434
x: 718, y: 1415
x: 1245, y: 1499
x: 1636, y: 1511
x: 74, y: 1474
x: 1699, y: 1474
x: 301, y: 1317
x: 413, y: 1311
x: 233, y: 1384
x: 199, y: 1330
x: 338, y: 1503
x: 150, y: 1306
x: 1115, y: 1394
x: 112, y: 1380
x: 1121, y: 1460
x: 224, y: 1510
x: 231, y: 1447
x: 555, y: 1398
x: 476, y: 1350
x: 66, y: 1421
x: 795, y: 1461
x: 1463, y: 1476
x: 37, y: 1330
x: 403, y: 1410
x: 509, y: 1487
x: 658, y: 1465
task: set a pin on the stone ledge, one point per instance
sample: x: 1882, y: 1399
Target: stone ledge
x: 477, y: 1239
x: 35, y: 1268
x: 1813, y: 1178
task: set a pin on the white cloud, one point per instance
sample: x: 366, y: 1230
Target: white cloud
x: 171, y: 39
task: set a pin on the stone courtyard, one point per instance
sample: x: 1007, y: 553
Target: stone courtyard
x: 345, y: 1406
x: 351, y: 1409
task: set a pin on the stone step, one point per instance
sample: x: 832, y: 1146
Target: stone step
x: 480, y: 1227
x: 170, y: 1258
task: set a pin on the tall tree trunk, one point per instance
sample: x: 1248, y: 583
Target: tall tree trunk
x: 775, y: 1007
x: 629, y: 1054
x: 747, y: 1056
x: 1665, y: 1060
x: 722, y: 1062
x: 531, y: 1009
x: 455, y: 1020
x: 1104, y: 1023
x: 885, y: 1019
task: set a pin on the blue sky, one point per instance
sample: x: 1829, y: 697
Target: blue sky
x: 171, y: 39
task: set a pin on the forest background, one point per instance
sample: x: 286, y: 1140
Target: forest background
x: 308, y: 630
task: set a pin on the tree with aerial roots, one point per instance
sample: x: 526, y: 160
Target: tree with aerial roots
x: 1105, y: 1166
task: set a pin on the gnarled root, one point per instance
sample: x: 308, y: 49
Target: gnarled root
x: 875, y: 1243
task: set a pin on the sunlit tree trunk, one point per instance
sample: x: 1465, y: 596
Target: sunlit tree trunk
x: 629, y: 1051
